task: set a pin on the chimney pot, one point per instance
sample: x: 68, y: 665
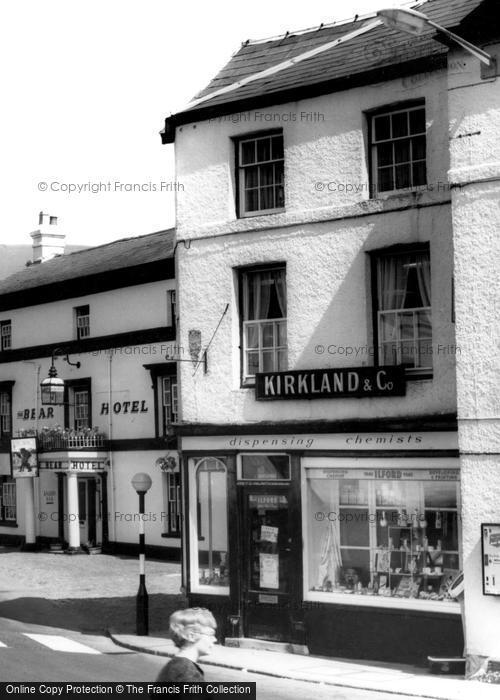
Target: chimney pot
x: 46, y: 242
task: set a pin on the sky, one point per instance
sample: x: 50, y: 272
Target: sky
x: 86, y: 87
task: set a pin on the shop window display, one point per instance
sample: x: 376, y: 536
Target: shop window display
x: 377, y: 536
x: 211, y: 519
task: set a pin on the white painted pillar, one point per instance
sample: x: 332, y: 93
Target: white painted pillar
x: 73, y: 515
x: 29, y: 512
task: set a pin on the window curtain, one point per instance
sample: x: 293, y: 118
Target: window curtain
x: 257, y: 294
x: 330, y: 563
x: 424, y: 277
x: 280, y: 283
x: 392, y: 279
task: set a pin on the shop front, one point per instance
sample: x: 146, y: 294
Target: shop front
x: 340, y: 544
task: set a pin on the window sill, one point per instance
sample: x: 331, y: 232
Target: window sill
x: 210, y: 590
x: 8, y: 523
x: 250, y: 384
x: 401, y: 193
x: 376, y: 601
x: 412, y: 376
x: 262, y: 212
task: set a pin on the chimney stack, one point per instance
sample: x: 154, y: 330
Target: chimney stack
x: 47, y: 243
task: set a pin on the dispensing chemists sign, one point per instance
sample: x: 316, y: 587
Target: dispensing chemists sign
x: 354, y: 382
x: 490, y: 538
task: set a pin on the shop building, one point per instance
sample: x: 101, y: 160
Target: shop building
x: 474, y: 112
x: 104, y: 318
x: 315, y: 268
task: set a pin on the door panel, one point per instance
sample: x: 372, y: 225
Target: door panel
x: 266, y: 551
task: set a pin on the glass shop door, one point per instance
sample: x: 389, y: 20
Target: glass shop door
x: 266, y: 562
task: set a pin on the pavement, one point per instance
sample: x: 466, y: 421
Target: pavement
x: 96, y: 594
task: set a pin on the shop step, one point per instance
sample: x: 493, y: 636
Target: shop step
x: 266, y: 645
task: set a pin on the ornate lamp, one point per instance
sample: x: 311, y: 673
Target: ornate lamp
x: 52, y: 388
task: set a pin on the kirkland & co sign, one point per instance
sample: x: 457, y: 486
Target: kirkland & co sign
x: 354, y: 382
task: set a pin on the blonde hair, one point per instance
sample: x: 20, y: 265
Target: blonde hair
x: 186, y: 626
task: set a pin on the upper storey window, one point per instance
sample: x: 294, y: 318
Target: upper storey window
x: 404, y: 312
x: 398, y: 149
x: 82, y: 322
x: 260, y: 172
x: 264, y: 338
x: 5, y: 335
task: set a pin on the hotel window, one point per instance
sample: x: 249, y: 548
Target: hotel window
x: 5, y: 413
x: 398, y: 149
x: 82, y: 322
x: 380, y: 536
x: 169, y: 402
x: 264, y: 340
x: 209, y: 534
x: 403, y: 309
x: 172, y: 503
x: 5, y: 335
x: 260, y: 170
x: 78, y: 406
x: 7, y: 499
x: 171, y: 308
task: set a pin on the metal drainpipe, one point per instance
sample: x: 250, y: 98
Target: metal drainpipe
x: 112, y: 530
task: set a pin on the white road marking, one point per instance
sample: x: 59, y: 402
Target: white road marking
x: 2, y: 644
x: 57, y: 643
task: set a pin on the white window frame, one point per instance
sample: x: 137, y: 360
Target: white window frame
x: 171, y: 307
x: 374, y: 152
x: 242, y: 177
x: 169, y: 400
x: 5, y: 335
x: 173, y: 504
x: 82, y: 322
x: 418, y: 368
x: 248, y: 378
x: 194, y: 569
x: 9, y: 501
x: 81, y: 412
x: 5, y: 413
x: 320, y: 463
x: 399, y: 313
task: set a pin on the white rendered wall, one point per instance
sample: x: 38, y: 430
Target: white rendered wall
x: 331, y: 150
x: 474, y: 110
x: 324, y: 238
x: 117, y: 311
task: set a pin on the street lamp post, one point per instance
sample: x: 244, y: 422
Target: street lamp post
x: 416, y: 23
x: 142, y: 483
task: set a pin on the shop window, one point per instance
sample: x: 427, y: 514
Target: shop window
x: 403, y: 310
x: 209, y: 537
x: 5, y: 335
x: 172, y: 504
x: 379, y: 536
x: 261, y: 174
x: 261, y: 467
x: 82, y: 322
x: 398, y: 149
x: 5, y: 413
x: 264, y: 321
x: 7, y: 499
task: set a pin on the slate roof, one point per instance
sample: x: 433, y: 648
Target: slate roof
x: 378, y: 49
x: 14, y: 257
x: 118, y: 255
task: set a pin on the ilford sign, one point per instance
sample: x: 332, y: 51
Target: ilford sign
x: 331, y: 383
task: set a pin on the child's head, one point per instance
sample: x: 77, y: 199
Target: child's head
x: 192, y: 626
